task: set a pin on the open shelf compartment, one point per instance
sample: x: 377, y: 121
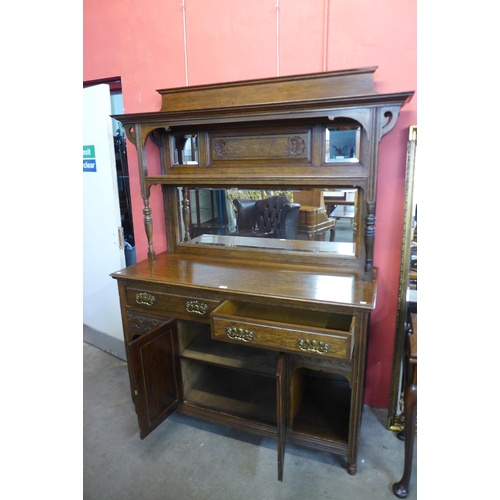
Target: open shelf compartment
x: 320, y: 405
x: 225, y: 378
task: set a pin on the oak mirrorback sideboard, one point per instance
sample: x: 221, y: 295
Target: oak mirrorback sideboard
x: 262, y: 327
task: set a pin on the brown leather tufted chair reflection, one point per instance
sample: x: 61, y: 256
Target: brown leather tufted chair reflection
x: 273, y: 217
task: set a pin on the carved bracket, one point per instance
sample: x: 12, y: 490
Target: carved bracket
x: 388, y: 117
x: 362, y: 116
x: 130, y: 132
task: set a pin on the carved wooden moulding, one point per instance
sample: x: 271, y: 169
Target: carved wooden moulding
x: 142, y: 323
x: 273, y: 146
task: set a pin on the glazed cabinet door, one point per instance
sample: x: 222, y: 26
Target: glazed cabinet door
x: 155, y: 370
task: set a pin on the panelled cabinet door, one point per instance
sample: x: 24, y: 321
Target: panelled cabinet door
x: 282, y: 411
x: 155, y: 364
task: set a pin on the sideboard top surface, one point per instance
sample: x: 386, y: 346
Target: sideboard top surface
x: 262, y: 282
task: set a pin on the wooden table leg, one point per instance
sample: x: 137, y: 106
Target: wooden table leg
x: 400, y: 488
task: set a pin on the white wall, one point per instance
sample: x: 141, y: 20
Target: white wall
x: 102, y: 254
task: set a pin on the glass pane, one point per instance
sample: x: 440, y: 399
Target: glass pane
x: 186, y: 149
x: 342, y: 144
x: 316, y: 220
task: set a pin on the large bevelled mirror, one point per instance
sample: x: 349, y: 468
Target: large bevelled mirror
x: 315, y: 220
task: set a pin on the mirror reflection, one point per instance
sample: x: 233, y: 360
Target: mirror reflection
x: 186, y: 149
x: 342, y: 144
x: 313, y: 220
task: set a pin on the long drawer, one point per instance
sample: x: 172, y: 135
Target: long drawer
x: 167, y: 304
x: 285, y: 329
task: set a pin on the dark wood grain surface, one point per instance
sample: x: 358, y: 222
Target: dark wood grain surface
x: 260, y: 281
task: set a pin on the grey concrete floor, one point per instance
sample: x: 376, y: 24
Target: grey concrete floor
x: 185, y: 458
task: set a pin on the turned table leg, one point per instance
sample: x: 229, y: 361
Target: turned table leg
x: 400, y: 488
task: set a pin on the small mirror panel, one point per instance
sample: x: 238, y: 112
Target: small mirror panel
x: 342, y: 144
x: 185, y: 149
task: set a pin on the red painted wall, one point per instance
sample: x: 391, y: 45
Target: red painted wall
x: 231, y: 40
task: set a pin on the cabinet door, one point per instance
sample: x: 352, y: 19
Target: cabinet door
x: 282, y: 411
x: 156, y: 375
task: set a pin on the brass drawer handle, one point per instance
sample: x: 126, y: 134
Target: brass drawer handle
x: 195, y: 307
x: 145, y: 299
x: 313, y: 346
x: 237, y: 333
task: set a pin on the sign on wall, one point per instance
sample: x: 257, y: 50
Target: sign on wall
x: 89, y: 163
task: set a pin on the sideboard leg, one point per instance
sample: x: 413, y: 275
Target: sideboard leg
x: 351, y: 469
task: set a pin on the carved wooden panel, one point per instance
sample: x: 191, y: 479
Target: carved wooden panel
x: 292, y: 146
x: 141, y: 323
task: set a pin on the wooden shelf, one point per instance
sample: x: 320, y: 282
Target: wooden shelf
x: 237, y: 393
x: 224, y: 354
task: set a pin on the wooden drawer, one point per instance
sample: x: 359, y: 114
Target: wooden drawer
x: 166, y: 304
x: 285, y: 329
